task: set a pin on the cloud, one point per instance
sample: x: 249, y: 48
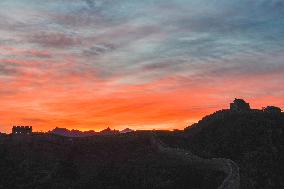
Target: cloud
x: 152, y: 63
x: 91, y: 3
x: 37, y: 53
x: 8, y: 69
x: 55, y: 40
x: 98, y: 50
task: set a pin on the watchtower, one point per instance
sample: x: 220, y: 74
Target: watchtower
x: 239, y: 105
x: 22, y: 130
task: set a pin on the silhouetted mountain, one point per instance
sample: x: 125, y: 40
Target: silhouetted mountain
x: 127, y: 130
x: 108, y: 131
x: 77, y: 133
x: 72, y: 133
x: 254, y: 139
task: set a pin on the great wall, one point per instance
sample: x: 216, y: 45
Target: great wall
x: 227, y: 166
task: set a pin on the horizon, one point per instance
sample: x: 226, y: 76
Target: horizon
x: 70, y: 129
x: 153, y: 64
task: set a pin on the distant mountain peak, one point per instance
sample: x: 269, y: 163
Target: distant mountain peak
x: 72, y: 133
x: 108, y: 131
x: 127, y: 130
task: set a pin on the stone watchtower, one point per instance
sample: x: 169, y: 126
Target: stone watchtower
x: 22, y: 130
x: 239, y: 105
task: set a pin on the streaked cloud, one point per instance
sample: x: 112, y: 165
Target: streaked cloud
x: 146, y: 64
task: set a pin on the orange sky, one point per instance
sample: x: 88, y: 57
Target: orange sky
x: 89, y: 104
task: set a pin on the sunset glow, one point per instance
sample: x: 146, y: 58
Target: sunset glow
x: 151, y: 64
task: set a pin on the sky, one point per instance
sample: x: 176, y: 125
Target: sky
x: 151, y: 64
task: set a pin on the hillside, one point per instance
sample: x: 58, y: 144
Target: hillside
x: 99, y: 162
x: 253, y: 139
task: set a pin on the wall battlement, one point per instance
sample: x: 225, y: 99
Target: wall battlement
x: 22, y: 130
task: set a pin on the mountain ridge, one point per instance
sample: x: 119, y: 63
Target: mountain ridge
x: 77, y: 133
x: 253, y: 139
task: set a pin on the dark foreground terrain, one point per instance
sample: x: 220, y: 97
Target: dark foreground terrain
x: 124, y: 161
x: 253, y: 140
